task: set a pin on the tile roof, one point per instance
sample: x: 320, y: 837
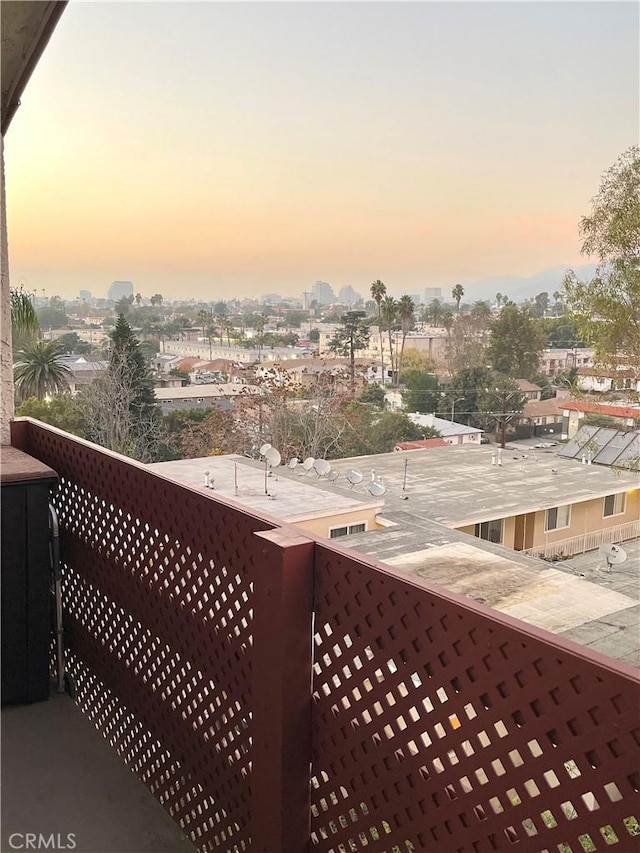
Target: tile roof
x: 603, y: 409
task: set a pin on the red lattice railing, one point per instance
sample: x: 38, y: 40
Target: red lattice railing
x: 158, y: 598
x: 441, y: 725
x: 429, y: 721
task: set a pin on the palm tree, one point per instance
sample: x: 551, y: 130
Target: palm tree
x: 458, y: 293
x: 389, y: 313
x: 378, y: 291
x: 138, y: 299
x: 259, y: 323
x: 435, y: 311
x: 24, y: 320
x: 557, y: 295
x: 406, y: 309
x: 39, y: 370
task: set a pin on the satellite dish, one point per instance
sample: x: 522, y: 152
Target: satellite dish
x: 293, y: 463
x: 273, y: 457
x: 333, y: 476
x: 321, y: 467
x: 376, y: 489
x: 264, y: 448
x: 307, y: 465
x: 613, y: 554
x: 354, y: 477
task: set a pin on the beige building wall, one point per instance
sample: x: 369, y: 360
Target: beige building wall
x: 527, y: 530
x: 320, y: 524
x: 587, y: 517
x: 432, y: 344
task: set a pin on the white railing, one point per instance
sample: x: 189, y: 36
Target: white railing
x: 586, y: 542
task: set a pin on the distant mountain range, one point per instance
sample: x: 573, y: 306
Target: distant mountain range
x: 519, y: 288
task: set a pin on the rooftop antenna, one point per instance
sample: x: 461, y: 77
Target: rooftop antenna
x: 235, y: 478
x: 613, y: 554
x: 404, y: 478
x: 206, y: 479
x: 354, y: 477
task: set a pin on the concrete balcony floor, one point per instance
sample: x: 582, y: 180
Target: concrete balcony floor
x: 60, y: 776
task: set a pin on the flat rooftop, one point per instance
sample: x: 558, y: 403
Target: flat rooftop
x: 291, y: 498
x: 430, y: 491
x: 460, y: 485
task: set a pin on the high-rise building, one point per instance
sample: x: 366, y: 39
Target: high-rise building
x: 323, y: 293
x: 85, y: 295
x: 119, y: 289
x: 431, y: 293
x: 348, y: 296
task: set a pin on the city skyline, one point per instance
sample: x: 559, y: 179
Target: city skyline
x: 214, y: 150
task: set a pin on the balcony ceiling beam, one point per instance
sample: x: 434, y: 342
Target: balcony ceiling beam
x: 26, y: 29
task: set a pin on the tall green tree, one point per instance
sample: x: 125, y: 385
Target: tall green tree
x: 420, y: 393
x: 39, y: 370
x: 122, y: 412
x: 457, y: 293
x: 516, y: 341
x: 260, y: 321
x: 62, y: 411
x: 607, y: 308
x: 370, y: 431
x: 389, y: 308
x: 465, y: 395
x: 352, y: 335
x: 434, y: 312
x: 406, y: 311
x: 378, y: 291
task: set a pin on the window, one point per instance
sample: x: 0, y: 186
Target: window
x: 347, y: 529
x: 614, y: 504
x: 490, y: 530
x: 558, y: 517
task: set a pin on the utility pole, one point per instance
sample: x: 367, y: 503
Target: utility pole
x: 503, y: 429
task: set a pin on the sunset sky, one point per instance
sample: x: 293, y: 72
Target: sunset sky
x: 215, y: 150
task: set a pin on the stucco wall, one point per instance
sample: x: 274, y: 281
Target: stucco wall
x: 6, y: 356
x: 586, y: 517
x: 319, y: 526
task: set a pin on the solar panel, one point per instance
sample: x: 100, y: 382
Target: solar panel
x: 630, y: 456
x: 574, y: 447
x: 610, y: 453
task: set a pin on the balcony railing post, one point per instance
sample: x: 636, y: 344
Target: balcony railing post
x: 281, y: 679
